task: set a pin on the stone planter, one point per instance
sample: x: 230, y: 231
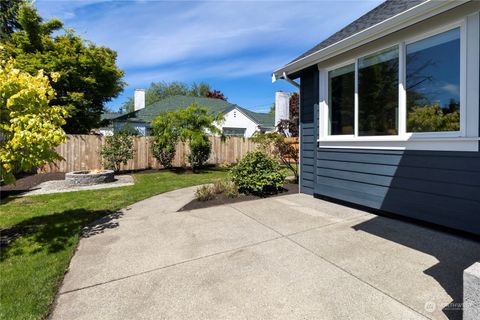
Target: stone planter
x: 88, y: 178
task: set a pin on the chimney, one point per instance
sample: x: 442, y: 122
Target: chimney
x: 282, y: 106
x: 139, y: 99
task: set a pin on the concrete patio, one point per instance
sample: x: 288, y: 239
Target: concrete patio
x: 288, y: 257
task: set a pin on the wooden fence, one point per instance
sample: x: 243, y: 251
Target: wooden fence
x: 293, y: 141
x: 82, y: 152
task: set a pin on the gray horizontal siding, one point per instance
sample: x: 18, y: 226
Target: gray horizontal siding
x: 308, y: 129
x: 307, y: 159
x: 439, y: 187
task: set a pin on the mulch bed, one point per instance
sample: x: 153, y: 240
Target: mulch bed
x: 26, y: 182
x: 220, y: 199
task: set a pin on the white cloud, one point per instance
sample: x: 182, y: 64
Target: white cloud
x: 451, y: 88
x: 206, y: 40
x: 155, y: 33
x: 223, y: 69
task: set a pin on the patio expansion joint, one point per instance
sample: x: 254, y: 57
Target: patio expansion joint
x: 168, y: 266
x: 327, y: 260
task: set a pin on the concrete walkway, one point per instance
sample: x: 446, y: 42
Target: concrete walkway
x: 288, y: 257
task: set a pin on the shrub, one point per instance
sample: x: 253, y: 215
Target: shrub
x: 199, y: 151
x: 226, y: 187
x: 219, y: 186
x: 30, y: 127
x: 204, y: 193
x: 225, y: 165
x: 165, y: 138
x: 164, y: 152
x: 277, y: 144
x: 258, y: 173
x: 118, y: 149
x: 231, y: 189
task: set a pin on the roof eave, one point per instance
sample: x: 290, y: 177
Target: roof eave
x: 408, y: 17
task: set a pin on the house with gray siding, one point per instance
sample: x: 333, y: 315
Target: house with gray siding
x: 389, y: 112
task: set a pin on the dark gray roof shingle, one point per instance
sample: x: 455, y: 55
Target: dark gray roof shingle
x: 381, y: 13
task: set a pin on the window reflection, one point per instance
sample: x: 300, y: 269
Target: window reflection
x: 341, y: 100
x: 433, y: 83
x: 378, y: 93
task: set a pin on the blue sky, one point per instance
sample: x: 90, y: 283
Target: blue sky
x: 233, y: 45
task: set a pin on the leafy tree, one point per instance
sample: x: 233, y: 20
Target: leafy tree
x: 88, y: 75
x: 272, y: 109
x: 200, y: 90
x: 431, y: 118
x: 29, y: 126
x: 189, y: 125
x: 200, y: 148
x: 215, y: 94
x: 161, y: 90
x: 8, y: 17
x: 118, y: 149
x: 196, y: 121
x: 193, y: 123
x: 165, y: 138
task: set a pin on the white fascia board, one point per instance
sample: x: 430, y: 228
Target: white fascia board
x: 404, y: 19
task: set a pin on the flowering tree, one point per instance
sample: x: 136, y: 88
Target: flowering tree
x: 29, y: 127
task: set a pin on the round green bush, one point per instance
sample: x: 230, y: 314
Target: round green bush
x: 200, y: 149
x: 258, y: 173
x: 164, y: 152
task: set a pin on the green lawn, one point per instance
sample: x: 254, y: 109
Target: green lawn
x: 33, y: 265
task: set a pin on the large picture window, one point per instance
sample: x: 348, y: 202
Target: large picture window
x: 378, y: 93
x: 341, y: 84
x: 433, y: 83
x: 409, y: 88
x: 411, y: 92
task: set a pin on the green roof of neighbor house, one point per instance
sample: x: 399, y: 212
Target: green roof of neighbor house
x: 106, y: 118
x: 265, y: 120
x: 110, y: 115
x: 173, y: 103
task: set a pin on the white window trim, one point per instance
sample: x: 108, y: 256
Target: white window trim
x: 464, y: 140
x: 327, y: 127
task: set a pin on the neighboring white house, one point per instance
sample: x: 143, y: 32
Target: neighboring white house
x: 238, y: 121
x: 244, y: 123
